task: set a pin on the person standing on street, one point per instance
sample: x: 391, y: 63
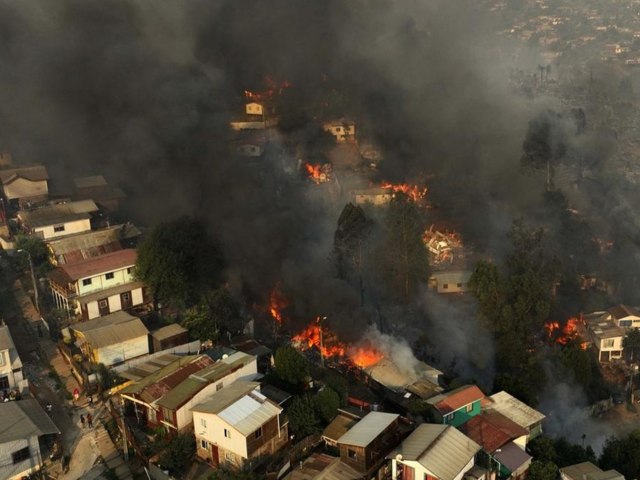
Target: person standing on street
x: 82, y: 420
x: 89, y: 420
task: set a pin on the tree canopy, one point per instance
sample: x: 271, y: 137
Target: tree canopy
x: 623, y: 455
x: 216, y: 311
x: 179, y: 261
x: 327, y: 403
x: 302, y: 416
x: 290, y: 366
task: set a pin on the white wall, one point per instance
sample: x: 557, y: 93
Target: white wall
x: 123, y: 351
x: 213, y: 432
x: 76, y: 226
x: 10, y: 471
x: 115, y: 303
x: 100, y: 282
x: 254, y: 108
x: 421, y: 471
x: 136, y: 297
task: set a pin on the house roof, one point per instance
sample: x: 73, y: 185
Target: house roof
x: 95, y: 266
x: 368, y: 429
x: 250, y: 412
x: 90, y: 182
x: 58, y: 213
x: 588, y: 471
x: 456, y: 399
x: 452, y: 276
x: 389, y: 374
x: 512, y: 457
x: 186, y: 389
x: 168, y: 331
x: 492, y: 430
x: 321, y: 466
x: 220, y: 400
x: 621, y: 311
x: 33, y: 173
x: 605, y: 329
x: 75, y: 248
x: 515, y: 410
x: 188, y: 363
x: 338, y: 427
x: 441, y: 449
x: 275, y: 394
x: 111, y: 329
x: 24, y: 419
x: 152, y: 365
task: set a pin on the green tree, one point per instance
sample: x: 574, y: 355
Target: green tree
x: 403, y: 257
x: 623, y: 455
x: 179, y: 262
x: 543, y: 449
x: 327, y: 403
x: 542, y: 471
x: 338, y: 384
x: 290, y: 366
x: 631, y: 344
x: 39, y: 254
x: 178, y: 454
x: 215, y: 310
x: 303, y: 418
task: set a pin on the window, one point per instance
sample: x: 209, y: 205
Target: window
x: 219, y: 386
x: 445, y: 286
x: 230, y: 457
x: 58, y: 228
x: 4, y: 383
x: 1, y: 358
x: 21, y: 455
x: 608, y: 343
x: 203, y: 422
x: 126, y: 296
x: 109, y: 276
x: 258, y: 433
x: 625, y: 323
x: 469, y: 408
x: 130, y: 270
x: 102, y: 303
x: 204, y: 444
x: 352, y: 454
x: 227, y: 433
x: 86, y: 281
x: 459, y: 285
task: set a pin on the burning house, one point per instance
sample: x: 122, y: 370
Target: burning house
x: 343, y: 130
x: 443, y: 247
x: 318, y: 172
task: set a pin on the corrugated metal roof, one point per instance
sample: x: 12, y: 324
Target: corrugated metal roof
x: 85, y: 240
x: 225, y: 397
x: 338, y: 427
x: 368, y: 429
x: 514, y: 409
x: 441, y: 449
x: 111, y: 329
x: 24, y: 419
x: 512, y: 457
x: 249, y: 413
x: 34, y: 173
x: 320, y: 466
x: 151, y: 366
x: 455, y: 399
x: 588, y: 470
x: 492, y: 430
x: 102, y: 264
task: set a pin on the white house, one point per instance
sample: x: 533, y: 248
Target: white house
x: 343, y: 130
x: 607, y: 337
x: 625, y: 316
x: 25, y: 184
x: 98, y: 286
x: 254, y: 108
x: 112, y: 339
x: 438, y: 452
x: 10, y: 363
x: 372, y: 196
x: 23, y: 422
x: 450, y: 281
x: 57, y: 220
x: 237, y: 425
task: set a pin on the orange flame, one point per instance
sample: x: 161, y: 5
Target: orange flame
x: 317, y: 172
x: 566, y: 334
x: 277, y: 303
x: 414, y: 192
x: 326, y: 342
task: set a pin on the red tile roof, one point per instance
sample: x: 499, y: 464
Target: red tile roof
x: 97, y: 265
x: 492, y: 430
x: 458, y: 398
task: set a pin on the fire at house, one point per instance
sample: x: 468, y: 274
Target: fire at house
x: 568, y: 333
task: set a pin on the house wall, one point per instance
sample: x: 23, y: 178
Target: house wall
x: 100, y: 282
x: 114, y: 302
x: 521, y: 442
x: 421, y: 472
x: 373, y: 199
x: 212, y: 430
x: 461, y: 416
x: 269, y: 441
x: 123, y: 351
x: 76, y: 226
x: 628, y: 321
x: 254, y: 109
x: 23, y: 188
x: 249, y: 150
x: 367, y: 457
x: 15, y: 472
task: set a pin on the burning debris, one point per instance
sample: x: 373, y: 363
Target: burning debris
x: 320, y: 337
x: 443, y: 247
x: 277, y: 302
x: 319, y: 173
x: 566, y: 334
x: 415, y: 193
x: 272, y: 90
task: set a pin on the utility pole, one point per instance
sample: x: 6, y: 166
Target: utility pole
x: 33, y: 278
x: 125, y: 444
x: 320, y: 320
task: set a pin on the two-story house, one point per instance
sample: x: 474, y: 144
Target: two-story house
x: 112, y: 339
x: 166, y: 396
x: 25, y: 184
x: 457, y: 406
x: 607, y: 337
x: 59, y: 219
x: 365, y: 446
x: 343, y: 130
x: 434, y: 452
x: 98, y: 286
x: 237, y: 425
x: 10, y: 364
x: 24, y: 425
x: 625, y: 316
